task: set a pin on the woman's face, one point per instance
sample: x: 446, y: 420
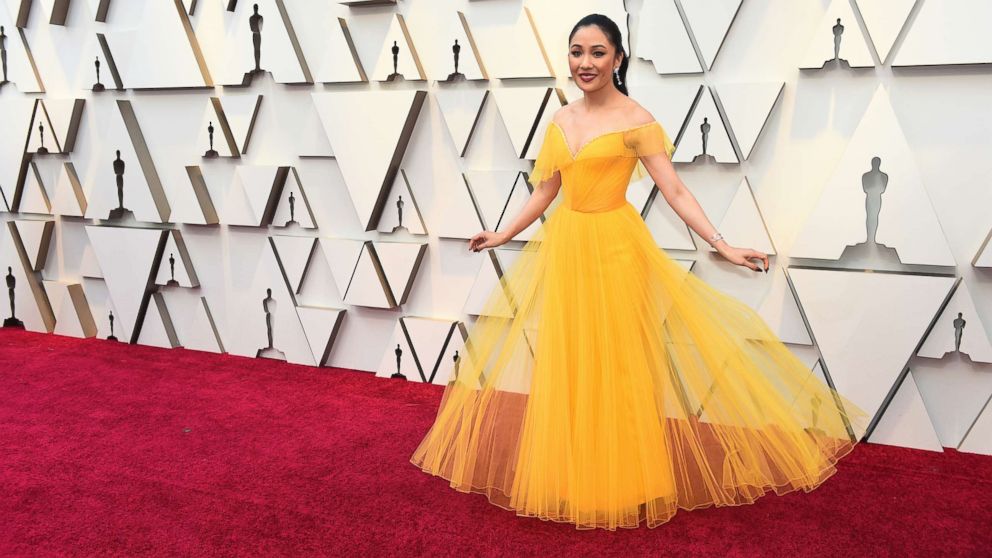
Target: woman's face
x: 591, y: 58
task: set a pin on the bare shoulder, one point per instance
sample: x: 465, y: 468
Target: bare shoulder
x: 637, y: 114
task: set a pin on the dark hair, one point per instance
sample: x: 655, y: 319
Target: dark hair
x: 612, y: 32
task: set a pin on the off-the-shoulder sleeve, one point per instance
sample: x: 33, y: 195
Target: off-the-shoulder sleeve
x: 647, y: 140
x: 546, y: 163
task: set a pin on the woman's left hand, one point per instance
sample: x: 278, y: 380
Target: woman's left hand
x: 743, y: 256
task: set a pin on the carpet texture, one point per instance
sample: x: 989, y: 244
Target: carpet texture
x: 114, y: 449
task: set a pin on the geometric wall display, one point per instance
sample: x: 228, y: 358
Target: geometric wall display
x: 127, y: 257
x: 204, y: 213
x: 509, y: 44
x: 706, y: 138
x: 884, y: 19
x: 399, y: 263
x: 254, y: 194
x: 393, y: 217
x: 850, y: 312
x: 748, y: 107
x: 69, y: 199
x: 102, y: 308
x: 958, y: 328
x: 34, y: 197
x: 400, y: 360
x: 460, y: 109
x: 458, y: 212
x: 879, y: 165
x: 519, y: 196
x: 398, y: 59
x: 360, y: 3
x: 983, y: 257
x: 247, y: 195
x: 65, y: 54
x: 780, y: 310
x: 342, y: 167
x: 16, y: 114
x: 743, y: 222
x: 905, y: 421
x: 157, y: 329
x: 948, y: 32
x: 41, y: 140
x: 175, y: 267
x: 710, y: 21
x: 236, y: 114
x: 488, y: 191
x: 955, y: 392
x: 487, y: 284
x: 228, y: 41
x: 121, y: 172
x: 554, y: 99
x: 342, y: 255
x: 21, y: 69
x: 65, y: 116
x: 30, y: 305
x: 367, y: 286
x: 36, y: 237
x: 109, y: 65
x: 979, y: 438
x: 321, y: 326
x: 294, y: 254
x: 426, y: 339
x: 667, y: 228
x: 293, y: 207
x: 668, y: 46
x: 523, y: 112
x: 369, y: 132
x: 385, y: 274
x: 336, y: 61
x: 214, y: 131
x: 454, y: 357
x: 72, y: 312
x: 836, y: 41
x: 262, y: 318
x: 192, y: 320
x: 458, y: 38
x: 139, y: 33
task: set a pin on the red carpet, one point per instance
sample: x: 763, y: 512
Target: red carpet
x: 110, y: 449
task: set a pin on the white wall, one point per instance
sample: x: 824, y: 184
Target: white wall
x: 338, y: 138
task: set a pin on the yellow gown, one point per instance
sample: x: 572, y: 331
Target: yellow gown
x: 604, y: 385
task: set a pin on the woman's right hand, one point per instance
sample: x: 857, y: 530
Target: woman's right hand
x: 486, y: 239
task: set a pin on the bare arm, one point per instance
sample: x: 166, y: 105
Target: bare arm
x: 675, y: 192
x: 538, y: 202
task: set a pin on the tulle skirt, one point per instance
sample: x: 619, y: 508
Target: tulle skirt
x: 605, y: 385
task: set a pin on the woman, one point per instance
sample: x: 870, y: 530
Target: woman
x: 603, y: 384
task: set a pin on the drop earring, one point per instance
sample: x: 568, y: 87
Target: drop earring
x: 616, y: 73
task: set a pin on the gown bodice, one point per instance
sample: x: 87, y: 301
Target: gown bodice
x: 596, y: 176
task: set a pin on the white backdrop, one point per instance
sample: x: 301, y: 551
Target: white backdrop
x: 791, y: 139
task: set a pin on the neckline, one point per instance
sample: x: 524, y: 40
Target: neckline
x: 575, y: 155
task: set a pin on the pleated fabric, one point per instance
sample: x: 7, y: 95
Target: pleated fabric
x: 604, y: 385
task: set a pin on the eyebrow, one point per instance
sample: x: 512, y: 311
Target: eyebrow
x: 593, y: 46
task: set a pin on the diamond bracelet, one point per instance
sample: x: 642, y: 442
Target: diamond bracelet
x: 716, y: 236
